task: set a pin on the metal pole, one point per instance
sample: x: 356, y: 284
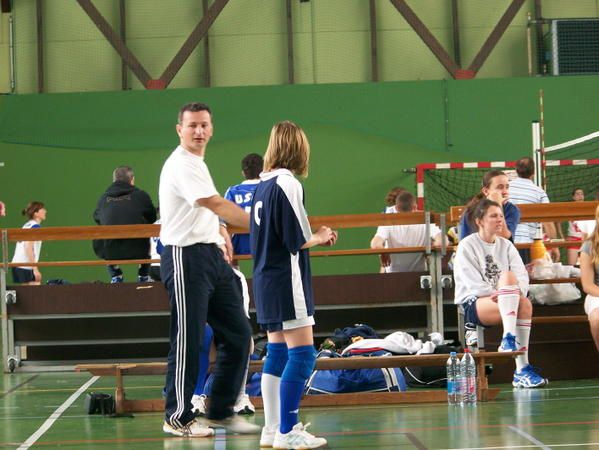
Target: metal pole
x: 40, y: 46
x: 456, y: 33
x: 290, y: 60
x: 373, y: 44
x: 123, y: 33
x: 541, y: 66
x: 11, y: 53
x: 529, y: 46
x: 207, y: 73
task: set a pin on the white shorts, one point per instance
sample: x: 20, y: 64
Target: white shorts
x: 590, y: 303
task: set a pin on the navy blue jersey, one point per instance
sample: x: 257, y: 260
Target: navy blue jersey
x: 241, y: 195
x: 279, y: 227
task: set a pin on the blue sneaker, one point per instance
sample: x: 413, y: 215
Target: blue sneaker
x: 508, y: 343
x: 116, y: 279
x: 529, y: 378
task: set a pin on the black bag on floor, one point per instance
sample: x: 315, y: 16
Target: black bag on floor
x: 98, y: 403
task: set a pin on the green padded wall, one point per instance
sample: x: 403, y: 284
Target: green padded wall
x: 62, y: 148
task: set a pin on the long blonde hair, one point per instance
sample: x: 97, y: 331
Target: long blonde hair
x: 288, y: 148
x: 594, y: 237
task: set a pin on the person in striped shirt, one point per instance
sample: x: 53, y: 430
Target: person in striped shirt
x: 524, y: 191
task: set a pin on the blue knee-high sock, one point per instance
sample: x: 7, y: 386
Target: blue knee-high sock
x: 274, y: 365
x: 298, y: 369
x: 204, y: 361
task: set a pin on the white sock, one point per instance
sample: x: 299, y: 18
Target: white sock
x: 522, y: 339
x: 271, y: 400
x: 244, y: 381
x: 508, y: 300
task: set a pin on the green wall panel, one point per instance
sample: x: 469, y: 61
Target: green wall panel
x: 62, y: 148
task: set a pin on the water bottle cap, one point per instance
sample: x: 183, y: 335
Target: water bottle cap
x: 466, y: 350
x: 452, y: 353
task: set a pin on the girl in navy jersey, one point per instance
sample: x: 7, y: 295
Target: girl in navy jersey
x: 280, y: 236
x: 29, y: 251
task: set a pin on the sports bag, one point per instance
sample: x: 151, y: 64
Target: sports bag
x: 355, y: 380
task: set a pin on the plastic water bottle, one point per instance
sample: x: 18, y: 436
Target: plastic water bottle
x: 453, y: 379
x: 468, y: 378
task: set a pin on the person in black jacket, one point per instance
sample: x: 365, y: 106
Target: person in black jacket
x: 124, y: 204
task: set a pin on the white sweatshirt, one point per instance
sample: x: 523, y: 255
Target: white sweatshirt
x: 478, y: 265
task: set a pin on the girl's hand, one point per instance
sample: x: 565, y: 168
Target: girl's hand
x: 326, y: 236
x: 496, y: 197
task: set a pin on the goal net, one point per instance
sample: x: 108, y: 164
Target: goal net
x: 567, y: 166
x: 571, y: 165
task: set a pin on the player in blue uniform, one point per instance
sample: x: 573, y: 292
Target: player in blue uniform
x: 280, y: 237
x: 241, y: 195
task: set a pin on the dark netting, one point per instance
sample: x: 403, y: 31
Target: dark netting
x: 563, y: 179
x: 444, y: 188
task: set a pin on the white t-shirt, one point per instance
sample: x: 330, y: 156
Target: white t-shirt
x: 586, y: 226
x: 20, y: 255
x: 406, y: 236
x: 478, y: 265
x: 184, y: 179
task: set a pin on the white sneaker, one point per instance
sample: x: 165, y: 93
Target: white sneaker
x: 234, y: 424
x: 244, y: 405
x: 471, y: 338
x: 198, y: 403
x: 192, y: 429
x: 297, y: 438
x: 268, y: 436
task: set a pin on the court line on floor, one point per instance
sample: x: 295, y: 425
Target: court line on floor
x: 14, y: 388
x: 527, y: 436
x: 348, y: 433
x: 583, y: 444
x: 415, y: 441
x: 56, y: 414
x: 220, y: 439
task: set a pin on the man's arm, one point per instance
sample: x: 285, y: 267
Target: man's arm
x: 229, y: 211
x: 379, y: 242
x: 149, y: 212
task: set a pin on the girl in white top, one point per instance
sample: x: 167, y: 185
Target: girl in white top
x: 491, y: 284
x: 29, y: 251
x: 589, y: 267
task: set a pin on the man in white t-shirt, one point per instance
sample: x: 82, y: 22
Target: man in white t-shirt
x: 404, y: 236
x: 201, y: 285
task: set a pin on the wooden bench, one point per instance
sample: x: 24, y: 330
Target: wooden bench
x: 485, y: 393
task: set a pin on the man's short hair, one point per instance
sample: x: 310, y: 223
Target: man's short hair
x: 193, y: 107
x: 525, y: 167
x: 251, y: 166
x: 123, y: 173
x: 405, y: 202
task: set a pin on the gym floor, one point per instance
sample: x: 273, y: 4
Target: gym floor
x: 46, y: 410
